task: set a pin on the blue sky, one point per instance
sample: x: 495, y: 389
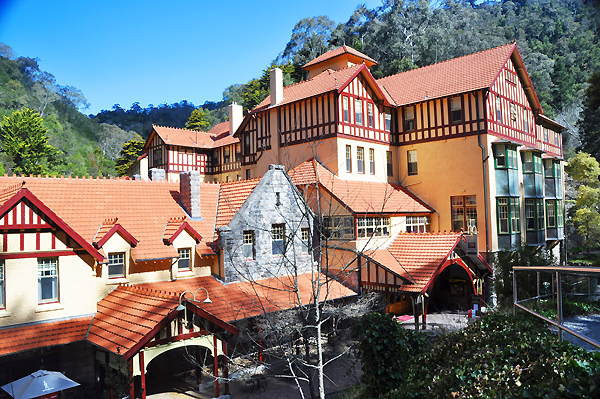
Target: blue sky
x: 154, y: 52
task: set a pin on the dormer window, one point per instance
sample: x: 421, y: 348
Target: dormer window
x: 184, y: 262
x: 116, y: 265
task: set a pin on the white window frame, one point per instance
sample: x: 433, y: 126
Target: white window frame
x: 116, y: 260
x: 360, y: 160
x: 417, y: 224
x: 48, y: 280
x: 371, y: 161
x: 305, y: 238
x: 278, y: 239
x: 185, y: 259
x: 345, y: 109
x: 348, y: 159
x: 367, y: 227
x: 370, y: 115
x: 358, y: 111
x: 248, y: 251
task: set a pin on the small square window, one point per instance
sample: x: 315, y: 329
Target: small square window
x: 184, y: 262
x: 116, y: 265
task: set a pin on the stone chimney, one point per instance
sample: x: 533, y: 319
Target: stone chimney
x: 189, y: 192
x: 157, y: 174
x: 276, y: 81
x: 235, y: 117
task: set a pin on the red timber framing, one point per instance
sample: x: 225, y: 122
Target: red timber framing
x: 306, y: 120
x: 183, y: 159
x: 375, y: 277
x: 225, y: 159
x: 157, y: 154
x: 255, y: 136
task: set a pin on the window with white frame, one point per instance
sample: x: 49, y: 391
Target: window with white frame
x: 346, y: 109
x: 368, y: 227
x: 278, y: 239
x: 116, y: 265
x: 47, y: 280
x: 509, y: 219
x: 248, y: 245
x: 412, y: 162
x: 348, y: 159
x: 464, y: 212
x: 370, y: 117
x: 371, y: 161
x: 456, y: 109
x: 305, y: 237
x: 498, y: 110
x: 184, y: 263
x: 358, y: 111
x: 2, y: 286
x: 360, y: 160
x: 417, y: 224
x: 554, y: 213
x: 525, y: 121
x: 388, y: 121
x: 339, y: 227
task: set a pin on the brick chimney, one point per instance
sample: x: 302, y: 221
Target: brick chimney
x: 235, y: 117
x: 189, y: 192
x: 276, y: 81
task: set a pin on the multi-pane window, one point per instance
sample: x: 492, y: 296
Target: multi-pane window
x: 532, y: 162
x: 464, y: 212
x: 305, y: 237
x: 417, y: 224
x: 2, y: 285
x: 456, y: 109
x: 116, y: 265
x: 360, y: 160
x: 226, y: 155
x: 525, y: 121
x: 509, y: 220
x: 157, y: 156
x: 409, y: 118
x: 47, y: 280
x: 346, y: 109
x: 554, y: 213
x: 184, y: 262
x: 371, y: 161
x: 498, y: 110
x: 505, y: 156
x: 278, y: 239
x: 348, y: 159
x: 412, y: 162
x: 373, y: 227
x: 358, y: 111
x: 388, y: 121
x: 390, y: 164
x: 339, y: 227
x: 248, y: 244
x: 370, y: 117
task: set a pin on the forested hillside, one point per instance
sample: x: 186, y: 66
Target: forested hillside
x: 559, y: 41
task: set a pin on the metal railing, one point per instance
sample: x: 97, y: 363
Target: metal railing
x: 558, y: 271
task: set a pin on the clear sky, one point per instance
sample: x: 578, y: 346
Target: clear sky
x: 154, y: 52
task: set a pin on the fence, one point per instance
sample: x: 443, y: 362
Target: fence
x: 557, y: 272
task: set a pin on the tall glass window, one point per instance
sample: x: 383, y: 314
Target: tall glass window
x: 412, y: 162
x: 184, y: 262
x: 278, y: 239
x: 358, y: 111
x: 371, y: 119
x: 409, y: 118
x: 456, y: 109
x: 346, y: 109
x: 348, y: 159
x: 360, y: 160
x: 248, y: 245
x: 371, y: 161
x: 390, y: 164
x: 464, y: 212
x: 47, y: 280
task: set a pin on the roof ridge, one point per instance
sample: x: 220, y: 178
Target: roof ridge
x: 133, y: 288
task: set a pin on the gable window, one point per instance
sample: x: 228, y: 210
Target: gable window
x: 346, y: 109
x: 358, y: 111
x: 525, y: 121
x: 513, y: 112
x: 157, y: 156
x: 47, y: 280
x: 464, y: 212
x: 305, y: 237
x: 248, y: 245
x: 373, y: 227
x: 417, y: 224
x: 505, y: 156
x: 509, y: 220
x: 348, y: 159
x: 390, y: 165
x: 360, y: 160
x: 339, y: 227
x: 2, y: 285
x: 409, y: 118
x: 371, y: 161
x: 370, y: 118
x: 116, y: 265
x: 388, y: 121
x: 412, y: 162
x: 456, y: 109
x: 184, y: 262
x: 498, y: 110
x: 278, y: 239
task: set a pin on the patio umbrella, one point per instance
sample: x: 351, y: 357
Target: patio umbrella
x: 40, y: 383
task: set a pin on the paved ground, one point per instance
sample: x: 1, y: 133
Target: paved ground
x: 588, y: 326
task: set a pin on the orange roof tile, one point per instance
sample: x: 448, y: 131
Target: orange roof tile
x: 233, y: 195
x: 183, y: 137
x: 38, y: 335
x: 459, y: 75
x: 360, y: 197
x: 337, y: 52
x: 84, y: 204
x: 220, y: 128
x: 421, y: 255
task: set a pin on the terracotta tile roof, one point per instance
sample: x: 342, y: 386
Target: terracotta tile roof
x: 220, y: 128
x: 39, y: 335
x: 143, y: 208
x: 459, y: 75
x: 421, y: 255
x: 176, y: 226
x: 360, y: 197
x: 8, y: 192
x: 233, y: 195
x: 108, y: 228
x: 183, y: 137
x: 225, y: 140
x: 337, y: 52
x: 130, y: 315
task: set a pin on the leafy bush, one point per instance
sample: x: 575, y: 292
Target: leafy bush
x: 570, y: 308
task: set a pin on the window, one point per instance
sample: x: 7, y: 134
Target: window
x: 464, y: 212
x: 47, y: 280
x: 551, y: 213
x: 358, y: 111
x: 247, y: 144
x: 390, y: 165
x: 509, y: 219
x: 238, y: 154
x: 505, y: 156
x: 370, y: 118
x: 545, y: 135
x: 417, y: 224
x: 345, y: 109
x: 371, y: 161
x: 388, y: 121
x: 248, y: 245
x: 348, y: 159
x: 225, y: 155
x: 360, y: 160
x: 184, y: 262
x: 339, y: 227
x: 278, y: 239
x: 513, y: 112
x: 456, y: 109
x: 525, y: 121
x: 116, y: 265
x: 305, y: 237
x: 532, y: 162
x: 412, y: 162
x: 2, y: 289
x: 409, y: 118
x: 557, y: 170
x: 373, y: 227
x: 157, y: 156
x: 248, y: 175
x: 498, y: 110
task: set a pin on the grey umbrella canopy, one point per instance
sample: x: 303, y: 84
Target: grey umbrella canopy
x: 40, y: 383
